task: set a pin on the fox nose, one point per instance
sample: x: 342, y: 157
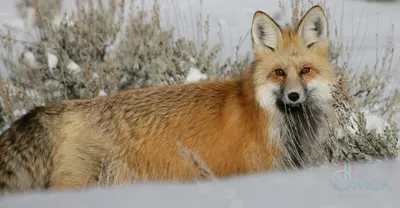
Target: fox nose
x: 294, y: 96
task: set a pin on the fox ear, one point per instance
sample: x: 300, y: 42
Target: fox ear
x: 313, y: 28
x: 266, y: 34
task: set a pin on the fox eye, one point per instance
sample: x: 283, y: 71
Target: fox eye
x: 280, y: 72
x: 305, y: 70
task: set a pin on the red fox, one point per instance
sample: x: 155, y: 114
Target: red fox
x: 238, y: 126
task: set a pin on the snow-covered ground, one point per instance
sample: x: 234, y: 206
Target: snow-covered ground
x: 372, y: 185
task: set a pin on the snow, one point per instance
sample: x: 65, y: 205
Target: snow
x: 52, y: 61
x: 73, y: 68
x: 29, y: 59
x: 18, y: 113
x: 102, y: 92
x: 195, y: 75
x: 371, y: 185
x: 375, y: 122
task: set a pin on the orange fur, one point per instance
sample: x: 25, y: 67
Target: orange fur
x: 223, y: 121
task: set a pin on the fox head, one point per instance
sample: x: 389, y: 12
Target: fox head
x: 292, y: 66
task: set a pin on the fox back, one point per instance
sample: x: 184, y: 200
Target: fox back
x: 248, y: 124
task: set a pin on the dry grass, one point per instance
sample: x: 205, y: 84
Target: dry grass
x: 192, y: 158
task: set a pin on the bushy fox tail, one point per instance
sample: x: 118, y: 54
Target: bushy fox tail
x: 25, y: 153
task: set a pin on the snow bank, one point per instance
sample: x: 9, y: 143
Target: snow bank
x: 366, y: 185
